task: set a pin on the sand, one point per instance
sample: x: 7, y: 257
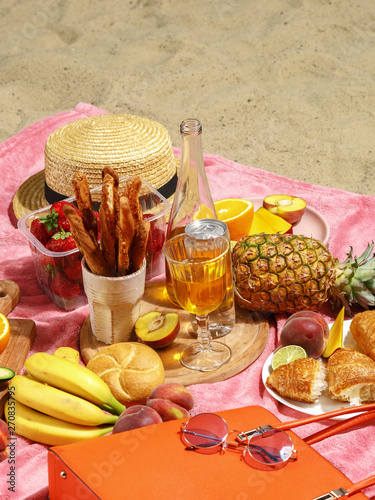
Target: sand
x: 285, y: 86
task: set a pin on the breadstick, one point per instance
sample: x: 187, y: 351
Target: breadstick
x: 108, y: 240
x: 85, y: 243
x: 133, y: 186
x: 125, y: 233
x: 139, y: 245
x: 110, y: 171
x: 84, y: 202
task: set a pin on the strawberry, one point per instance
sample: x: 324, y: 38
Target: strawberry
x: 38, y: 229
x: 62, y: 286
x: 155, y: 240
x: 74, y: 270
x: 56, y: 219
x: 61, y: 242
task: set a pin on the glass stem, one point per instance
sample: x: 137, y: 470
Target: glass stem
x: 204, y: 336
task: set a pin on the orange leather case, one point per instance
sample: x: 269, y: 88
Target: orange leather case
x: 151, y: 462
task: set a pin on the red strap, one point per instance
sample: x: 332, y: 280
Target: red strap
x: 361, y: 419
x: 315, y: 418
x: 360, y: 485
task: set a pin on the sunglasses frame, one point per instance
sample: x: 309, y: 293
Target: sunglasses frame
x: 243, y: 442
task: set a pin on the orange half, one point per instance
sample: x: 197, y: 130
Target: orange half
x: 4, y: 332
x: 237, y: 214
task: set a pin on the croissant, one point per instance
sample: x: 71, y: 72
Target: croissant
x: 362, y: 328
x: 351, y: 377
x: 300, y: 380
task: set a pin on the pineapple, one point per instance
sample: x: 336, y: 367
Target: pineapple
x: 285, y: 273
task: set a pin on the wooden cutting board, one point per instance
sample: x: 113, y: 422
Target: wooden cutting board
x: 22, y: 334
x: 247, y: 340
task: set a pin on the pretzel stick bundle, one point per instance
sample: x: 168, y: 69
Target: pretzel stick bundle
x: 85, y: 243
x: 84, y: 202
x: 124, y: 233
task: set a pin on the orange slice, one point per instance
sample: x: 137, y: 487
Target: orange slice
x: 203, y: 213
x: 237, y: 214
x: 4, y: 332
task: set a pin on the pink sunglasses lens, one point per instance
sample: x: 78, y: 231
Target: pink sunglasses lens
x: 206, y: 430
x: 271, y: 448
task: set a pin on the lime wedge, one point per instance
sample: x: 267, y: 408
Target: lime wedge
x: 288, y: 354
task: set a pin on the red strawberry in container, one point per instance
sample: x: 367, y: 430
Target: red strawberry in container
x: 62, y: 241
x: 38, y: 229
x: 56, y: 219
x: 155, y: 243
x: 63, y: 287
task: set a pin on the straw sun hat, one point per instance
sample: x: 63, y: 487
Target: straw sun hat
x: 129, y: 144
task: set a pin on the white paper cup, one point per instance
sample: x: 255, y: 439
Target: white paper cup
x: 114, y: 303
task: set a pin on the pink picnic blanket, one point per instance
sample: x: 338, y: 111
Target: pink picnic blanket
x: 351, y: 218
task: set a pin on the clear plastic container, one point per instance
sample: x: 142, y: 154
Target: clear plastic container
x: 48, y: 265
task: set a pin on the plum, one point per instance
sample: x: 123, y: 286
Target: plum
x: 307, y: 329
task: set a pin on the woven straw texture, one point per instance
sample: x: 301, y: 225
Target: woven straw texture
x: 129, y: 144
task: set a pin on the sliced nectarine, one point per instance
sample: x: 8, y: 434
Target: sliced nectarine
x: 290, y: 208
x: 156, y: 329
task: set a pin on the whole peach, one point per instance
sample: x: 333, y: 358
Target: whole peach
x: 136, y: 416
x: 172, y: 391
x: 167, y: 410
x: 308, y: 330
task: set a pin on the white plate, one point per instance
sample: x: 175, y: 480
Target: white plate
x: 323, y: 404
x: 312, y: 224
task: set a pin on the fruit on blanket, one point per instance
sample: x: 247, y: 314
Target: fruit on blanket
x: 71, y: 377
x: 57, y: 403
x: 237, y: 214
x: 4, y: 441
x: 265, y: 222
x: 290, y: 208
x: 4, y: 332
x: 67, y: 353
x: 136, y: 416
x: 177, y: 393
x: 307, y: 329
x: 288, y: 273
x: 44, y: 429
x: 156, y: 329
x: 167, y: 409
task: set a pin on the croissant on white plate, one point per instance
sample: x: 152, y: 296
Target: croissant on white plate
x: 301, y: 380
x: 362, y: 328
x: 351, y: 377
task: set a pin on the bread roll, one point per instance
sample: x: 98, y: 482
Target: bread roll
x: 351, y: 377
x: 301, y: 380
x: 131, y: 370
x: 362, y: 328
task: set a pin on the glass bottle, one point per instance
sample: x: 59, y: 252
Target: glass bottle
x: 192, y: 199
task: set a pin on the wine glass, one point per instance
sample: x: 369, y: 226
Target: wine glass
x: 198, y: 267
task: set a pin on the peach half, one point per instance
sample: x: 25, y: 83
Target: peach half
x: 290, y: 208
x: 157, y: 330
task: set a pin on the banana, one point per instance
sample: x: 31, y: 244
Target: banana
x: 44, y: 429
x: 71, y: 377
x: 67, y: 353
x: 58, y: 403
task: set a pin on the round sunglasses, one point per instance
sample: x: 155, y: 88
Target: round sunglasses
x: 265, y: 447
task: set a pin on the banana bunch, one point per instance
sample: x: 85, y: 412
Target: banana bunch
x: 59, y: 401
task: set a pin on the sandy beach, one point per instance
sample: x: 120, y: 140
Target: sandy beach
x: 284, y: 85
